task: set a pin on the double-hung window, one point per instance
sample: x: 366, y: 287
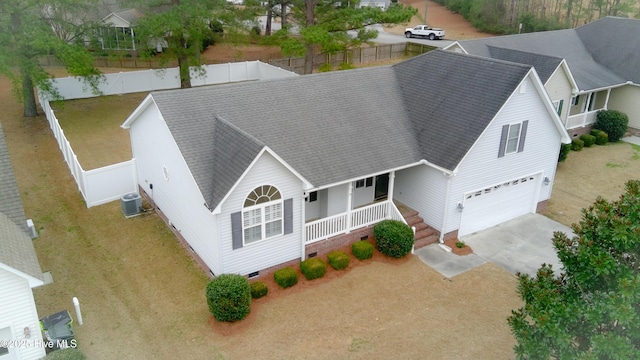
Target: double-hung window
x: 513, y: 137
x: 262, y: 215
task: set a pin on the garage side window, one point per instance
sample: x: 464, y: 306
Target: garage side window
x: 264, y: 215
x: 513, y: 138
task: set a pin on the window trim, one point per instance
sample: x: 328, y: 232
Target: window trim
x: 517, y: 138
x: 263, y: 214
x: 504, y: 138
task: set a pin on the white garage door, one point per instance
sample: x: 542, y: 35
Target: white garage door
x: 496, y: 204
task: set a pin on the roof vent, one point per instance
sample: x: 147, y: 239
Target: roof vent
x: 131, y: 204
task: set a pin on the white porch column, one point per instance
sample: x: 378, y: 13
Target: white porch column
x: 133, y: 40
x: 392, y: 176
x: 303, y: 247
x: 349, y: 205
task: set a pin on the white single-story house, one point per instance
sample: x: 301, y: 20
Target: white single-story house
x: 19, y: 272
x: 584, y: 70
x: 257, y: 174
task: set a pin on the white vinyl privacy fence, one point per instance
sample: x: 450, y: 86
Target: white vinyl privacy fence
x: 109, y: 183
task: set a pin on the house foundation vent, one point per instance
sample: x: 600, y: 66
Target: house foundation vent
x: 131, y: 204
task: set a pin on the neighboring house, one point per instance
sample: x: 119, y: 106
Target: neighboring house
x: 118, y: 30
x: 587, y: 69
x: 383, y: 4
x: 19, y: 271
x: 254, y: 175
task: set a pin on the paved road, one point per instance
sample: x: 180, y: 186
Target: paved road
x: 386, y: 38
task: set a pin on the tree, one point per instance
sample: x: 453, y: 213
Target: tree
x: 592, y: 309
x: 185, y: 27
x: 324, y: 25
x: 27, y: 32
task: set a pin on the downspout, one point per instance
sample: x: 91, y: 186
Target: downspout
x: 303, y: 248
x: 446, y: 212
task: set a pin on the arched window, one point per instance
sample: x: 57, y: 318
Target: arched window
x: 262, y: 214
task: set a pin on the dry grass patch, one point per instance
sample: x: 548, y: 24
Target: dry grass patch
x: 587, y: 174
x: 92, y: 126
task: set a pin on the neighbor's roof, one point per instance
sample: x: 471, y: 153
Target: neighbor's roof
x: 600, y: 54
x: 337, y: 126
x: 545, y: 65
x: 16, y: 247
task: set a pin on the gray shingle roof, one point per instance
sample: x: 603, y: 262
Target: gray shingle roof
x: 337, y: 126
x: 545, y: 65
x: 585, y: 58
x: 453, y: 100
x: 615, y: 43
x: 16, y: 247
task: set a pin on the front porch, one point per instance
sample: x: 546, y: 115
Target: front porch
x: 585, y: 107
x: 424, y: 234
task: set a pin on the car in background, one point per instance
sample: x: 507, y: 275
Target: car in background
x: 424, y: 31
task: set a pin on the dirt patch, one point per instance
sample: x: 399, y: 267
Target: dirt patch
x: 454, y: 25
x: 453, y: 244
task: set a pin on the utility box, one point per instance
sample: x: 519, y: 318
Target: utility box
x: 131, y: 204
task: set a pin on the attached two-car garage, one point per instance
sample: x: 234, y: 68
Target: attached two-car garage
x: 495, y: 204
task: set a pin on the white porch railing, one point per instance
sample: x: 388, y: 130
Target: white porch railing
x: 359, y: 218
x: 582, y: 119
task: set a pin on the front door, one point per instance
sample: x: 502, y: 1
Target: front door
x: 382, y: 187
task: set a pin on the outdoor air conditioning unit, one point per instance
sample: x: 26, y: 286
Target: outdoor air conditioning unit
x: 131, y: 204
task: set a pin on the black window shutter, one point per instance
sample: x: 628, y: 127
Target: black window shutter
x: 560, y: 108
x: 523, y: 135
x: 236, y: 230
x: 503, y: 140
x: 288, y: 216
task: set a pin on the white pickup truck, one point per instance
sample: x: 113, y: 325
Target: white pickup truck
x: 424, y: 31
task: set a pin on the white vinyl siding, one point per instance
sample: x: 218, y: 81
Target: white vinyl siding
x: 423, y: 189
x: 481, y: 167
x: 277, y: 249
x: 627, y: 100
x: 175, y: 192
x: 18, y: 310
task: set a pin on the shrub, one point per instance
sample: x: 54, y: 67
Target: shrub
x: 564, y: 151
x: 338, y: 260
x: 613, y: 122
x: 258, y: 289
x: 602, y: 138
x: 313, y: 268
x: 286, y: 277
x: 346, y: 66
x: 393, y: 238
x: 460, y: 245
x: 326, y: 67
x: 577, y: 144
x: 588, y: 139
x: 362, y: 250
x: 229, y: 297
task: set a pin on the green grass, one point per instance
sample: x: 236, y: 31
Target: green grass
x: 613, y: 166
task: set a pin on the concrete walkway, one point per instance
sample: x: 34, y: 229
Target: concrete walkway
x: 632, y: 140
x: 518, y: 245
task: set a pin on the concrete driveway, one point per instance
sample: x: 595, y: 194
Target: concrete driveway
x: 518, y: 245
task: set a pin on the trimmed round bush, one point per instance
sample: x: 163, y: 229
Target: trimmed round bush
x: 564, y: 152
x: 362, y: 250
x: 588, y: 140
x: 313, y: 268
x: 338, y: 260
x: 393, y: 238
x: 258, y: 289
x: 229, y: 297
x: 577, y: 144
x: 613, y: 122
x: 601, y: 137
x: 286, y: 277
